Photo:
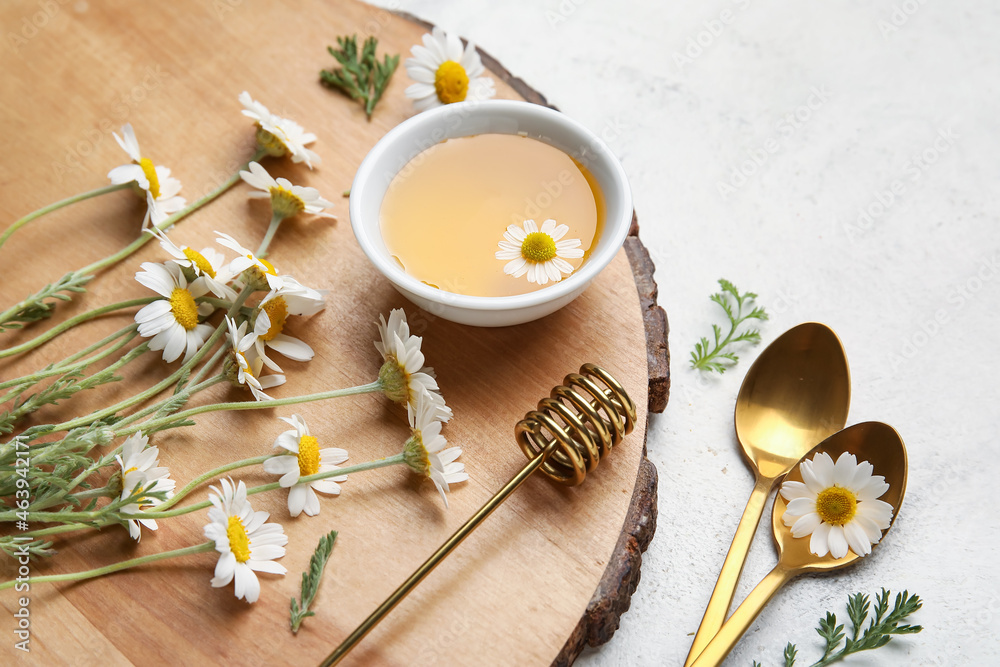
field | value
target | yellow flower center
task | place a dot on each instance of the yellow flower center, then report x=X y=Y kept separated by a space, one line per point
x=285 y=203
x=538 y=247
x=149 y=170
x=270 y=267
x=836 y=505
x=199 y=261
x=132 y=469
x=184 y=309
x=451 y=82
x=277 y=313
x=239 y=543
x=308 y=455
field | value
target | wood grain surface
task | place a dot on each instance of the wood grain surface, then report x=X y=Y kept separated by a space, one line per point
x=516 y=590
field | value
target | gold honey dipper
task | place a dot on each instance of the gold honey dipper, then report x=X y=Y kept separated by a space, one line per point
x=566 y=437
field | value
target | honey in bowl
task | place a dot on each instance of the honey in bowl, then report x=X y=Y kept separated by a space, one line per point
x=445 y=213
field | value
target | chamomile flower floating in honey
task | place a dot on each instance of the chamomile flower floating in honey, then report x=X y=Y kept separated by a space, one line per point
x=246 y=542
x=286 y=199
x=403 y=374
x=279 y=136
x=444 y=73
x=836 y=503
x=162 y=189
x=139 y=471
x=244 y=366
x=306 y=459
x=173 y=321
x=264 y=278
x=538 y=253
x=424 y=451
x=209 y=264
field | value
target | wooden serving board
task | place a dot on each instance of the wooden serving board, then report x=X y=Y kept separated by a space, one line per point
x=521 y=589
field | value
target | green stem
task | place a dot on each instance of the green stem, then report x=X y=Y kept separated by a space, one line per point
x=80 y=276
x=254 y=405
x=211 y=474
x=101 y=515
x=27 y=381
x=166 y=224
x=72 y=322
x=271 y=229
x=121 y=405
x=186 y=394
x=193 y=386
x=53 y=530
x=209 y=365
x=117 y=567
x=169 y=380
x=350 y=470
x=132 y=329
x=58 y=205
x=102 y=492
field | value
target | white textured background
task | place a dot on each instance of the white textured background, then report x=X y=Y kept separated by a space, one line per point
x=902 y=93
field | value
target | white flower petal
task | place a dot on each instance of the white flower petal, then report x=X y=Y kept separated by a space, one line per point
x=819 y=542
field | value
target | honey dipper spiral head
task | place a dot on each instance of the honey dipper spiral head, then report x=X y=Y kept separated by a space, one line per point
x=584 y=417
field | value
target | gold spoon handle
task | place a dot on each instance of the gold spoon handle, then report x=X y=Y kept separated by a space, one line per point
x=439 y=555
x=725 y=586
x=743 y=617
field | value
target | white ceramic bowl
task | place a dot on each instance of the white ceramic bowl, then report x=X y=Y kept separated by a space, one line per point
x=404 y=142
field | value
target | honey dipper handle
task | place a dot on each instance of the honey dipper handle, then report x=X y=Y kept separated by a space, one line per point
x=744 y=616
x=439 y=555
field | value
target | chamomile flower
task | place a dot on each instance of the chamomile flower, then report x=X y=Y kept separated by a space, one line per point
x=265 y=276
x=836 y=503
x=248 y=543
x=279 y=136
x=425 y=451
x=538 y=253
x=403 y=374
x=272 y=315
x=245 y=365
x=444 y=73
x=208 y=264
x=139 y=471
x=299 y=299
x=306 y=459
x=157 y=185
x=286 y=199
x=173 y=321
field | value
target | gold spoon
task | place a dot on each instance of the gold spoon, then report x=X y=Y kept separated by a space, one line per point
x=875 y=442
x=797 y=393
